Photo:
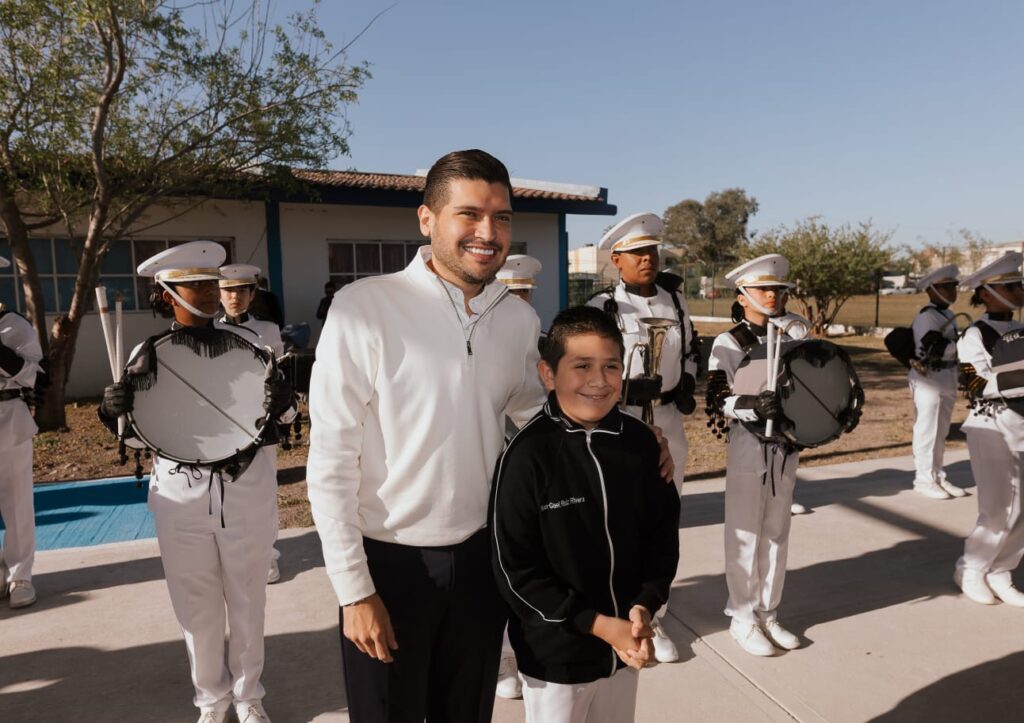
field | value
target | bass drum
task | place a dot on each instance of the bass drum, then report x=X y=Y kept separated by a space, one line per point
x=199 y=395
x=297 y=367
x=817 y=385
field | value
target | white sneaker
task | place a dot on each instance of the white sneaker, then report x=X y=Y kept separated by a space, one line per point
x=972 y=582
x=751 y=638
x=251 y=713
x=665 y=651
x=214 y=716
x=274 y=573
x=951 y=489
x=780 y=637
x=1004 y=589
x=797 y=509
x=509 y=686
x=931 y=490
x=22 y=594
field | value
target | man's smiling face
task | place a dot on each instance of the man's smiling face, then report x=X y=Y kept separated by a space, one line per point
x=471 y=235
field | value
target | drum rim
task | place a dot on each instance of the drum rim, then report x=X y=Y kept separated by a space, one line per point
x=155 y=449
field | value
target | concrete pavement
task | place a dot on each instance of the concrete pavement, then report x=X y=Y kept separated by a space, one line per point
x=887 y=635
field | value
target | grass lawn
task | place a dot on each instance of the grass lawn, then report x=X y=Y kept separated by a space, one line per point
x=895 y=310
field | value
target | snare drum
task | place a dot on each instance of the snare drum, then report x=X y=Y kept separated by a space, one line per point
x=297 y=367
x=817 y=386
x=199 y=395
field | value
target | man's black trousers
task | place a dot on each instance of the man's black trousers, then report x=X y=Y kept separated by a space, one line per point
x=448 y=620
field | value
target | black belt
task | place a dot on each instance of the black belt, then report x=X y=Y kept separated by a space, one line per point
x=8 y=394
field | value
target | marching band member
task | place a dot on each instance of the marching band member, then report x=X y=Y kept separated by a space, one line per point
x=643 y=292
x=759 y=476
x=215 y=547
x=932 y=379
x=237 y=291
x=20 y=355
x=995 y=439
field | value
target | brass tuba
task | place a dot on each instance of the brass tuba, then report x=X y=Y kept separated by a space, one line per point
x=650 y=351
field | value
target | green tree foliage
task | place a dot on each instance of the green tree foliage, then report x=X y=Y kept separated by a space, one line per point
x=714 y=231
x=108 y=107
x=828 y=264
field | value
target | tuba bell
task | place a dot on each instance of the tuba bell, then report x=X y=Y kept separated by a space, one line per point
x=656 y=328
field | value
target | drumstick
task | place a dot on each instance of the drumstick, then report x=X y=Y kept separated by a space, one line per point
x=101 y=307
x=119 y=350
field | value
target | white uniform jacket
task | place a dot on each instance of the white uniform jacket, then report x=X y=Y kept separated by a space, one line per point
x=16 y=423
x=407 y=404
x=989 y=412
x=938 y=372
x=629 y=308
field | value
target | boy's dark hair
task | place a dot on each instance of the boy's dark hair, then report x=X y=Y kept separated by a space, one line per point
x=472 y=164
x=575 y=321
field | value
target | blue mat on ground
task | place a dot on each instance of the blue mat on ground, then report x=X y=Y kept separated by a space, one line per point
x=79 y=514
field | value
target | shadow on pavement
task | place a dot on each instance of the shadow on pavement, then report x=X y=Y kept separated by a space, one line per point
x=302 y=677
x=298 y=554
x=956 y=697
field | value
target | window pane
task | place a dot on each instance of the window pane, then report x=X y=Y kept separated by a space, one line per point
x=66 y=287
x=118 y=283
x=340 y=258
x=49 y=295
x=227 y=252
x=368 y=258
x=43 y=256
x=393 y=257
x=410 y=252
x=7 y=297
x=340 y=281
x=5 y=251
x=118 y=259
x=67 y=253
x=145 y=249
x=517 y=248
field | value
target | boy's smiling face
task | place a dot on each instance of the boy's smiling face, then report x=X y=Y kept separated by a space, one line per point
x=588 y=378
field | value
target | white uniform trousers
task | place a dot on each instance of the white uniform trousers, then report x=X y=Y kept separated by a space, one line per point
x=756 y=525
x=996 y=544
x=606 y=700
x=670 y=420
x=215 y=575
x=17 y=510
x=934 y=398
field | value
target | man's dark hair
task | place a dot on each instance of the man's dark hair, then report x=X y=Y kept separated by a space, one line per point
x=473 y=164
x=575 y=321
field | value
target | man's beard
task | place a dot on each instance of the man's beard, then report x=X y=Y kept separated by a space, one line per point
x=453 y=263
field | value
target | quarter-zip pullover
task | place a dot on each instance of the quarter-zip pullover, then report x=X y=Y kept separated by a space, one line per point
x=582 y=524
x=405 y=423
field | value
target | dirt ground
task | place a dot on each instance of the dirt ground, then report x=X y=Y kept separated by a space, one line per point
x=88 y=451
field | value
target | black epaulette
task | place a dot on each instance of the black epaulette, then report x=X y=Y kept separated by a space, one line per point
x=989 y=336
x=610 y=306
x=744 y=336
x=668 y=281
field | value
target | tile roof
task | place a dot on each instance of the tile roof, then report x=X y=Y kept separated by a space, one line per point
x=397 y=182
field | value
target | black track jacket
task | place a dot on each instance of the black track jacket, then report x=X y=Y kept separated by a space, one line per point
x=582 y=523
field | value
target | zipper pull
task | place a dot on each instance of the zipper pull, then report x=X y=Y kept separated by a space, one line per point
x=469 y=348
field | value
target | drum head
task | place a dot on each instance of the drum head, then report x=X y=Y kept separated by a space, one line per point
x=201 y=408
x=816 y=390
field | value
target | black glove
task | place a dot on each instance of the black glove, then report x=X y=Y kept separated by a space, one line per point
x=851 y=418
x=768 y=405
x=685 y=402
x=118 y=399
x=279 y=397
x=642 y=389
x=934 y=344
x=10 y=362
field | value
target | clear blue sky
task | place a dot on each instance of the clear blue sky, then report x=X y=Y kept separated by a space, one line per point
x=909 y=114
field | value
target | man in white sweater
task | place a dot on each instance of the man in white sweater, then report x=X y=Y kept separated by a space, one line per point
x=415 y=373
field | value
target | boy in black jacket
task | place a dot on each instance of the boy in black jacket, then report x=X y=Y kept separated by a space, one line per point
x=585 y=532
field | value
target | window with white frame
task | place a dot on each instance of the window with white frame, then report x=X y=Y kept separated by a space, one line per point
x=351 y=260
x=57 y=264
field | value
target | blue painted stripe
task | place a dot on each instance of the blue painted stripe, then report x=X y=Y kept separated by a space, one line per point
x=275 y=264
x=80 y=514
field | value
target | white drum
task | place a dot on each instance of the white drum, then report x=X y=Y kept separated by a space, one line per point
x=201 y=401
